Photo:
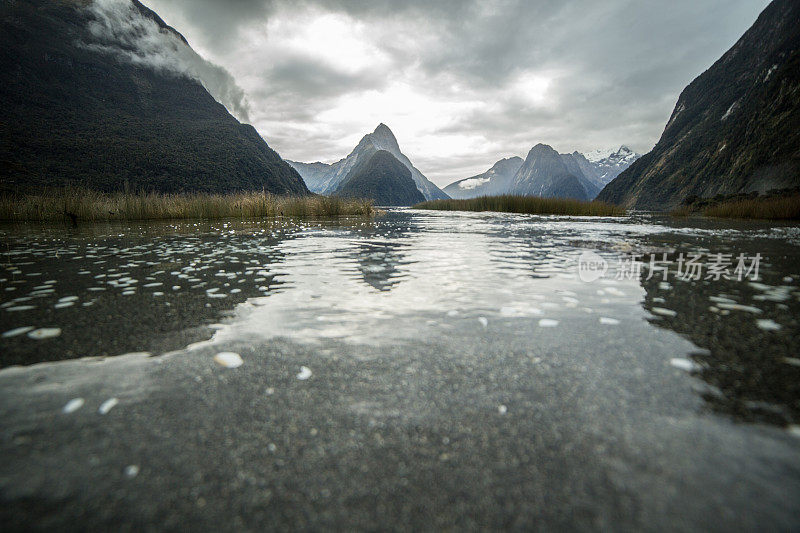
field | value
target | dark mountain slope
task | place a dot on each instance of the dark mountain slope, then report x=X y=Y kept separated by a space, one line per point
x=326 y=179
x=383 y=179
x=735 y=128
x=573 y=164
x=79 y=109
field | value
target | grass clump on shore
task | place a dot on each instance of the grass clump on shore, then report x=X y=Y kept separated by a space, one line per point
x=530 y=205
x=775 y=208
x=77 y=205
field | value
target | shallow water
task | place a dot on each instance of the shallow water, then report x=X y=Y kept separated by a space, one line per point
x=416 y=315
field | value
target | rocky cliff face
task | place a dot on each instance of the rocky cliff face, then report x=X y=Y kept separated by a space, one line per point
x=735 y=128
x=105 y=95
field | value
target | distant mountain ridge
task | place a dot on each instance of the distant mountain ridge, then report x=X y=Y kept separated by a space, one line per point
x=545 y=172
x=325 y=178
x=497 y=180
x=734 y=129
x=83 y=105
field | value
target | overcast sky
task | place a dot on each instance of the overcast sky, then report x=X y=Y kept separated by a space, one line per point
x=462 y=84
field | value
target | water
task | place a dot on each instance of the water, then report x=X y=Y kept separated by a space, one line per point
x=412 y=325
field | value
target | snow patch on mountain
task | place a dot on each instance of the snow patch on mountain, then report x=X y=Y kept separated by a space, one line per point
x=471 y=183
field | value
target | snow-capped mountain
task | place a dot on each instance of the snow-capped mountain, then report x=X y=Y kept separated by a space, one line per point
x=602 y=166
x=546 y=174
x=326 y=179
x=496 y=180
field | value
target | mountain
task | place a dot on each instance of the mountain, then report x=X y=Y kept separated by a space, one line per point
x=326 y=179
x=383 y=179
x=497 y=180
x=593 y=171
x=602 y=166
x=573 y=164
x=105 y=95
x=735 y=128
x=545 y=174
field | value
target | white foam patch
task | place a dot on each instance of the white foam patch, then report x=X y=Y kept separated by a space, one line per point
x=548 y=323
x=739 y=307
x=768 y=325
x=663 y=311
x=107 y=406
x=484 y=321
x=73 y=405
x=519 y=310
x=17 y=331
x=304 y=373
x=683 y=364
x=608 y=321
x=44 y=333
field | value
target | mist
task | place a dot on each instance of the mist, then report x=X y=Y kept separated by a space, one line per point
x=120 y=29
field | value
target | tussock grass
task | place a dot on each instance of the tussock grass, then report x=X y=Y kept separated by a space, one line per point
x=774 y=208
x=530 y=205
x=682 y=211
x=91 y=206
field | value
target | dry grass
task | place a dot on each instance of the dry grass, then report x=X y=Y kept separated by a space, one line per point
x=531 y=205
x=91 y=206
x=682 y=211
x=775 y=208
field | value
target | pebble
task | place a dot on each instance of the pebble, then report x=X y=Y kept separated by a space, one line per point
x=228 y=359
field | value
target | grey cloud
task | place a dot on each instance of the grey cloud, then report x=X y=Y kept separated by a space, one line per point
x=617 y=67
